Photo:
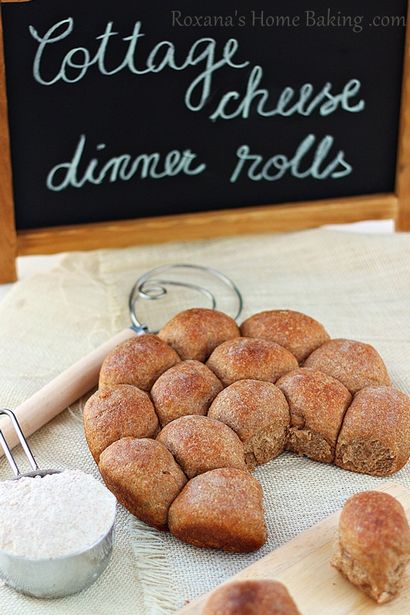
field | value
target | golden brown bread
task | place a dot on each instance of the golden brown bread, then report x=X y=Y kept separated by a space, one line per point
x=258 y=412
x=246 y=358
x=186 y=388
x=221 y=509
x=317 y=404
x=355 y=364
x=199 y=444
x=115 y=412
x=297 y=332
x=144 y=477
x=373 y=544
x=375 y=436
x=138 y=361
x=196 y=332
x=251 y=597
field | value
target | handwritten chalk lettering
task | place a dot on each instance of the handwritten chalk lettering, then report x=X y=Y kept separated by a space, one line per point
x=256 y=168
x=76 y=63
x=204 y=53
x=121 y=168
x=234 y=105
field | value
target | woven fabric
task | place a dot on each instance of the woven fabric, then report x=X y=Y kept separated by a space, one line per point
x=358 y=286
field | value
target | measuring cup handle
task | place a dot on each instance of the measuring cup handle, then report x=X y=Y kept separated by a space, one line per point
x=61 y=392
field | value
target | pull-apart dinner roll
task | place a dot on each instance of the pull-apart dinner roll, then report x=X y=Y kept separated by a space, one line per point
x=375 y=436
x=258 y=412
x=221 y=509
x=115 y=412
x=196 y=332
x=199 y=444
x=373 y=545
x=144 y=477
x=246 y=358
x=317 y=404
x=250 y=597
x=355 y=364
x=295 y=331
x=186 y=388
x=138 y=361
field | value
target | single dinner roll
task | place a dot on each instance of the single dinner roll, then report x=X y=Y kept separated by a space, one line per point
x=199 y=444
x=373 y=545
x=295 y=331
x=317 y=404
x=258 y=412
x=115 y=412
x=195 y=333
x=246 y=358
x=251 y=598
x=355 y=364
x=186 y=388
x=221 y=509
x=138 y=361
x=144 y=477
x=375 y=436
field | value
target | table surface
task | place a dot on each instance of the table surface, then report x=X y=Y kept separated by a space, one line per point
x=30 y=265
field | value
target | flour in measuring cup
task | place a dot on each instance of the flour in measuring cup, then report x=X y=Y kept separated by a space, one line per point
x=54 y=516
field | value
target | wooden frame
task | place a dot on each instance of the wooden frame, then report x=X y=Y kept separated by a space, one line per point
x=283 y=217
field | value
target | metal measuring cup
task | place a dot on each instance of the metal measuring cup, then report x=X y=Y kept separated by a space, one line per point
x=50 y=577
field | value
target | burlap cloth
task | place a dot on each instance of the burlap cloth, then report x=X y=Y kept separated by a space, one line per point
x=357 y=285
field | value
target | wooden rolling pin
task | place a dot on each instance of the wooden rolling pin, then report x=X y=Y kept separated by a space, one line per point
x=61 y=392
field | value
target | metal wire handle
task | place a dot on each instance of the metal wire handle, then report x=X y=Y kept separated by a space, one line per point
x=150 y=288
x=23 y=442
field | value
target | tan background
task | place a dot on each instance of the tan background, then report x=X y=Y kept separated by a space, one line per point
x=357 y=285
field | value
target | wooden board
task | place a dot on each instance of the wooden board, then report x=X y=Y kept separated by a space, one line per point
x=317 y=588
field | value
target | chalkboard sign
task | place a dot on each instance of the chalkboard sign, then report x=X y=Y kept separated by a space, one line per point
x=135 y=111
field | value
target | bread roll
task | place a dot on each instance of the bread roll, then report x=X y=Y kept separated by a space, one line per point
x=317 y=404
x=373 y=544
x=195 y=333
x=258 y=412
x=375 y=436
x=246 y=358
x=297 y=332
x=251 y=598
x=355 y=364
x=115 y=412
x=221 y=509
x=138 y=361
x=144 y=477
x=187 y=388
x=199 y=444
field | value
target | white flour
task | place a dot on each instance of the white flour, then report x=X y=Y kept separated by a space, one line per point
x=55 y=515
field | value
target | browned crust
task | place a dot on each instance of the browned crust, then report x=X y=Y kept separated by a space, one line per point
x=373 y=545
x=188 y=387
x=221 y=509
x=115 y=412
x=246 y=358
x=199 y=444
x=317 y=404
x=375 y=436
x=355 y=364
x=297 y=332
x=251 y=597
x=258 y=412
x=138 y=361
x=144 y=477
x=196 y=332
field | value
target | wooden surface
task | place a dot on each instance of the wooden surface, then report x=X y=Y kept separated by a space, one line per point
x=7 y=225
x=317 y=588
x=403 y=162
x=265 y=219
